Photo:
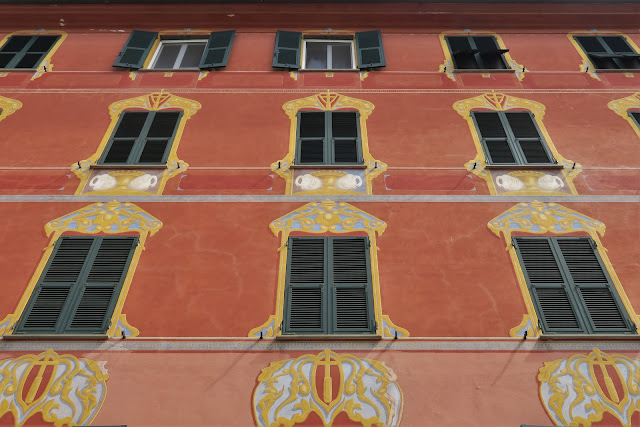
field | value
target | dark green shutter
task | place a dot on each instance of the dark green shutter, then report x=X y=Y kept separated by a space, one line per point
x=216 y=53
x=345 y=137
x=494 y=138
x=79 y=286
x=136 y=49
x=286 y=53
x=491 y=57
x=527 y=138
x=312 y=136
x=609 y=52
x=329 y=137
x=369 y=49
x=476 y=52
x=462 y=53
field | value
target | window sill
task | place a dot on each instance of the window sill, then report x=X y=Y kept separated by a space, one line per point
x=589 y=337
x=172 y=70
x=342 y=337
x=125 y=166
x=328 y=166
x=482 y=70
x=30 y=70
x=56 y=337
x=520 y=167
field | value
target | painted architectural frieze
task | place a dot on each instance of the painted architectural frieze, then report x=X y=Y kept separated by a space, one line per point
x=581 y=389
x=8 y=106
x=96 y=179
x=623 y=106
x=516 y=180
x=327 y=384
x=332 y=179
x=63 y=389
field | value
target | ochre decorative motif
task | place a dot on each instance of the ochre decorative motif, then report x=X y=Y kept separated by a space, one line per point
x=448 y=67
x=579 y=390
x=65 y=390
x=549 y=218
x=123 y=184
x=586 y=66
x=104 y=218
x=529 y=183
x=622 y=107
x=45 y=64
x=329 y=101
x=320 y=218
x=288 y=391
x=8 y=106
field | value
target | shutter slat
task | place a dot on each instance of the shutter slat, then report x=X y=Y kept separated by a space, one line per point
x=136 y=49
x=582 y=262
x=352 y=310
x=305 y=308
x=350 y=261
x=68 y=260
x=286 y=53
x=369 y=49
x=603 y=309
x=93 y=308
x=557 y=310
x=47 y=307
x=216 y=53
x=306 y=261
x=110 y=263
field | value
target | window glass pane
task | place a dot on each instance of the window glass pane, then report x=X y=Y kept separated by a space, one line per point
x=15 y=44
x=311 y=151
x=131 y=124
x=192 y=55
x=168 y=55
x=42 y=44
x=5 y=58
x=316 y=55
x=119 y=151
x=30 y=60
x=341 y=56
x=618 y=44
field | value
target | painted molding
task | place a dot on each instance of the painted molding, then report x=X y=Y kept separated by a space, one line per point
x=99 y=218
x=586 y=66
x=156 y=101
x=45 y=64
x=622 y=106
x=70 y=393
x=549 y=218
x=320 y=218
x=8 y=106
x=502 y=102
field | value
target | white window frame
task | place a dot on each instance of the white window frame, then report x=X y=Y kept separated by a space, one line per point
x=329 y=59
x=180 y=56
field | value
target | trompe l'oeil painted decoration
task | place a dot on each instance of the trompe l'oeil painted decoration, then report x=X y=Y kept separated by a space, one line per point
x=579 y=390
x=327 y=384
x=65 y=390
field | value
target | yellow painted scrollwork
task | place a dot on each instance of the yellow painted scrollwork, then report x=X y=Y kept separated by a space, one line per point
x=622 y=107
x=8 y=106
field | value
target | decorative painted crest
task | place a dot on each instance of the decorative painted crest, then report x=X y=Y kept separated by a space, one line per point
x=8 y=106
x=288 y=391
x=328 y=101
x=497 y=102
x=328 y=216
x=623 y=105
x=581 y=389
x=156 y=101
x=65 y=390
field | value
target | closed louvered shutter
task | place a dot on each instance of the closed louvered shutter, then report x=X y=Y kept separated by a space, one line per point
x=136 y=49
x=331 y=137
x=369 y=49
x=494 y=137
x=79 y=286
x=351 y=276
x=127 y=132
x=345 y=136
x=306 y=285
x=216 y=53
x=157 y=142
x=312 y=134
x=286 y=53
x=528 y=138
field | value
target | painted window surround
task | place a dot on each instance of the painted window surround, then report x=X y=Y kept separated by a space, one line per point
x=328 y=218
x=157 y=101
x=103 y=219
x=448 y=68
x=551 y=219
x=8 y=106
x=624 y=106
x=586 y=66
x=45 y=64
x=501 y=102
x=328 y=101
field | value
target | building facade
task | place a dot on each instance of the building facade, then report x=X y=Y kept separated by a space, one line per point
x=320 y=214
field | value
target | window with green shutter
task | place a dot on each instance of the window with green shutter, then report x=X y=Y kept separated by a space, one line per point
x=570 y=286
x=476 y=53
x=26 y=51
x=635 y=115
x=511 y=138
x=609 y=52
x=141 y=138
x=328 y=138
x=328 y=286
x=79 y=287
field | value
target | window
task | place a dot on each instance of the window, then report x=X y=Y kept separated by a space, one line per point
x=609 y=52
x=570 y=286
x=511 y=138
x=25 y=51
x=145 y=49
x=141 y=138
x=328 y=286
x=328 y=138
x=328 y=52
x=79 y=286
x=635 y=115
x=476 y=53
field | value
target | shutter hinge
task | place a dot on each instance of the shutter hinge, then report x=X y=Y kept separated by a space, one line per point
x=540 y=324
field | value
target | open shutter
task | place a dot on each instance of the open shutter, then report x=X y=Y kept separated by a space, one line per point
x=136 y=49
x=490 y=53
x=462 y=53
x=528 y=138
x=351 y=285
x=305 y=310
x=627 y=57
x=286 y=53
x=550 y=291
x=50 y=300
x=599 y=54
x=370 y=50
x=216 y=54
x=494 y=138
x=100 y=290
x=602 y=304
